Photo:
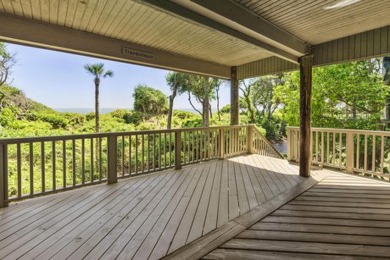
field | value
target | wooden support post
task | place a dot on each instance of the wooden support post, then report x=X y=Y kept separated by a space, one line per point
x=178 y=150
x=305 y=65
x=221 y=144
x=3 y=176
x=112 y=160
x=249 y=139
x=234 y=99
x=350 y=152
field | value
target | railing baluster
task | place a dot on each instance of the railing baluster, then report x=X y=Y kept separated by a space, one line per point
x=159 y=152
x=54 y=165
x=19 y=169
x=148 y=154
x=178 y=150
x=154 y=152
x=165 y=149
x=100 y=160
x=43 y=182
x=143 y=152
x=373 y=168
x=340 y=149
x=123 y=155
x=74 y=162
x=64 y=164
x=188 y=146
x=382 y=161
x=92 y=169
x=136 y=154
x=358 y=152
x=170 y=149
x=31 y=160
x=130 y=145
x=82 y=161
x=365 y=152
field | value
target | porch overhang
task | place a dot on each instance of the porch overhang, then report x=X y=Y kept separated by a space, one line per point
x=205 y=37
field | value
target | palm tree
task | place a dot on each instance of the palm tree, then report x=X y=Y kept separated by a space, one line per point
x=97 y=70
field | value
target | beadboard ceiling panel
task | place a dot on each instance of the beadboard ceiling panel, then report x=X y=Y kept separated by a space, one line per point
x=318 y=21
x=140 y=23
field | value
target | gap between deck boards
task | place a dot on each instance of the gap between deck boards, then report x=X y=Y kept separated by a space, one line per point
x=205 y=244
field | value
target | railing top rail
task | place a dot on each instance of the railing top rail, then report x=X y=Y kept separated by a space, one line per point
x=4 y=141
x=268 y=142
x=338 y=130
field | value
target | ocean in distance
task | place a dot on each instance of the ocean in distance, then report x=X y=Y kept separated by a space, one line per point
x=104 y=110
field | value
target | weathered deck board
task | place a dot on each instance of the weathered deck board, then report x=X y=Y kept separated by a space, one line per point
x=339 y=217
x=142 y=217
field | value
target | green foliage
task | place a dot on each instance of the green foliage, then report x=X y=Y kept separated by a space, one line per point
x=226 y=109
x=149 y=101
x=350 y=95
x=129 y=116
x=54 y=119
x=7 y=117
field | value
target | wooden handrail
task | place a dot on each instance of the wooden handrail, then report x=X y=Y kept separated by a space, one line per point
x=271 y=150
x=356 y=151
x=41 y=165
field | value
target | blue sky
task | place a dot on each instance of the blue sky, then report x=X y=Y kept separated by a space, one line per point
x=59 y=80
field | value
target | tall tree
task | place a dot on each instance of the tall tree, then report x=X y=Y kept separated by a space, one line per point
x=203 y=89
x=98 y=72
x=259 y=98
x=177 y=83
x=246 y=101
x=7 y=60
x=149 y=101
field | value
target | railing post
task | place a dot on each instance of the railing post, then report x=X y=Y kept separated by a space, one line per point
x=3 y=176
x=178 y=150
x=221 y=144
x=289 y=144
x=249 y=139
x=350 y=152
x=112 y=159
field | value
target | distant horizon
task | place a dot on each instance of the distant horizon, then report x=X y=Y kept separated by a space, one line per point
x=104 y=110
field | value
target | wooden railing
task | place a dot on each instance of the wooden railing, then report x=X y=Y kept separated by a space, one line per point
x=358 y=151
x=262 y=146
x=36 y=166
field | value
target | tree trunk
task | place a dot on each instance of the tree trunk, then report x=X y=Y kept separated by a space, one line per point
x=171 y=99
x=205 y=105
x=97 y=126
x=170 y=111
x=218 y=110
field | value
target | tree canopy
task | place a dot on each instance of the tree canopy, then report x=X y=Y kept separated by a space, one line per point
x=149 y=101
x=350 y=95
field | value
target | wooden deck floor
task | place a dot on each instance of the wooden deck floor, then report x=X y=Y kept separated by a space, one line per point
x=145 y=217
x=343 y=216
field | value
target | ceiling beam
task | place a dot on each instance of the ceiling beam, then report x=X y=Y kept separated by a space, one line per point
x=34 y=33
x=243 y=19
x=200 y=19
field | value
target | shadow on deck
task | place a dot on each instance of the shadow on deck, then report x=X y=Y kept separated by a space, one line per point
x=343 y=216
x=143 y=217
x=232 y=208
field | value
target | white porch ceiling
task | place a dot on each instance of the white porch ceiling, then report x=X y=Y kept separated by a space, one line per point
x=200 y=36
